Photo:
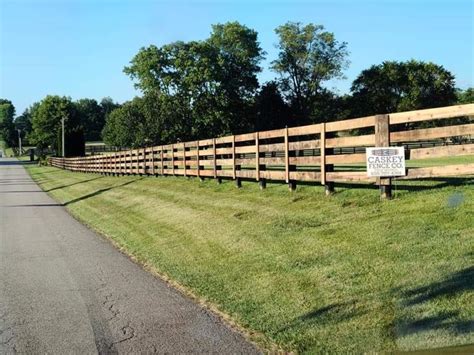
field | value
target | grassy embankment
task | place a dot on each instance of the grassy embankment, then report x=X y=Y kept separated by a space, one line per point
x=310 y=273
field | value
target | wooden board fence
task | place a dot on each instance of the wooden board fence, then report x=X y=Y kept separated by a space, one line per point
x=305 y=153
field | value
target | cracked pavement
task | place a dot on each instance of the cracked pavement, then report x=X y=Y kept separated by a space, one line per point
x=65 y=289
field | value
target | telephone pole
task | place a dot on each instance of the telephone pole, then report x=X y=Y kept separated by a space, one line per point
x=19 y=140
x=63 y=144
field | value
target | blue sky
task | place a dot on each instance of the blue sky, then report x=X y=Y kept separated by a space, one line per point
x=78 y=48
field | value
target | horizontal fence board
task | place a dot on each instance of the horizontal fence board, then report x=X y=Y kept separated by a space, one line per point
x=277 y=133
x=315 y=160
x=349 y=176
x=305 y=175
x=432 y=114
x=350 y=124
x=346 y=158
x=304 y=130
x=272 y=175
x=354 y=141
x=438 y=171
x=438 y=152
x=432 y=133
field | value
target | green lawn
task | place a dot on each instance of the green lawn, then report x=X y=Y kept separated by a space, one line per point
x=306 y=272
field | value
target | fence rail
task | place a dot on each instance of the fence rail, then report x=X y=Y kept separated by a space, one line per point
x=305 y=153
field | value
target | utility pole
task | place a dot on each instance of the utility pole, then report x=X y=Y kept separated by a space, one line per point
x=19 y=140
x=63 y=144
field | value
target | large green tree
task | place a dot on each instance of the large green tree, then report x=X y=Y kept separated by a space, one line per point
x=402 y=86
x=46 y=123
x=205 y=88
x=7 y=127
x=308 y=57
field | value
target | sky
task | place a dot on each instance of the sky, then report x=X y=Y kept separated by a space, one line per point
x=78 y=48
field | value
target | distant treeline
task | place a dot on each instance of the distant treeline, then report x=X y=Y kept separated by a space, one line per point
x=209 y=88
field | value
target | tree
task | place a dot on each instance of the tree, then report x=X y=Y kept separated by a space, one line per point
x=402 y=86
x=23 y=123
x=205 y=88
x=46 y=123
x=308 y=56
x=7 y=127
x=466 y=96
x=271 y=110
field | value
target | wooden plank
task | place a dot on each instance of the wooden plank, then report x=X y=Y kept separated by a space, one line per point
x=432 y=133
x=206 y=152
x=312 y=160
x=245 y=149
x=276 y=147
x=244 y=137
x=346 y=158
x=276 y=133
x=311 y=144
x=287 y=156
x=444 y=151
x=439 y=171
x=348 y=176
x=356 y=141
x=305 y=175
x=432 y=114
x=206 y=142
x=225 y=161
x=273 y=175
x=221 y=151
x=304 y=130
x=350 y=124
x=247 y=174
x=227 y=139
x=273 y=161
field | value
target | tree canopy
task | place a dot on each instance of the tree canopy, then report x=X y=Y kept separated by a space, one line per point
x=7 y=127
x=308 y=56
x=402 y=86
x=46 y=124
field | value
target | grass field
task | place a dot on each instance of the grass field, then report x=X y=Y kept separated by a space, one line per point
x=306 y=272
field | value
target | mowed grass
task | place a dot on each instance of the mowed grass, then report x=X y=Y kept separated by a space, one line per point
x=307 y=272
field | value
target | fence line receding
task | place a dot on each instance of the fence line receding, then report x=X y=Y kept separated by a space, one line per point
x=326 y=152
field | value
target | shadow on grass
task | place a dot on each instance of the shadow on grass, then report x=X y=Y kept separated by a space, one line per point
x=99 y=192
x=331 y=314
x=458 y=282
x=451 y=321
x=76 y=183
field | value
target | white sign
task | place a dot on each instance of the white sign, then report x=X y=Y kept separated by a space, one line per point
x=385 y=161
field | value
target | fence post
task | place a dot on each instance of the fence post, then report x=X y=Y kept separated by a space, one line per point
x=161 y=158
x=184 y=158
x=262 y=182
x=153 y=160
x=328 y=185
x=382 y=139
x=291 y=183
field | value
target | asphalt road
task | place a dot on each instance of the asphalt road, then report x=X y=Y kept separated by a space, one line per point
x=64 y=289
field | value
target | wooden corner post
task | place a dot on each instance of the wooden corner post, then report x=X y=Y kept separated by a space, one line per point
x=382 y=139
